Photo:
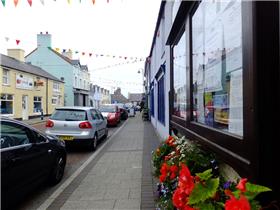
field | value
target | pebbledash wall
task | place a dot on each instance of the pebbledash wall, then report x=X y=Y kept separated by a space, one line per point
x=218 y=63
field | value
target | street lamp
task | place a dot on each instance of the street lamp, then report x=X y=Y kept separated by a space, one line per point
x=141 y=71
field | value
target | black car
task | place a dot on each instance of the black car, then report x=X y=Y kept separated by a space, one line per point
x=28 y=158
x=124 y=113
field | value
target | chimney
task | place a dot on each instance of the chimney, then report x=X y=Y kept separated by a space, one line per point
x=68 y=54
x=17 y=54
x=44 y=40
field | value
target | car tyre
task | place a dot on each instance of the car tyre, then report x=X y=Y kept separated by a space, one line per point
x=58 y=170
x=93 y=143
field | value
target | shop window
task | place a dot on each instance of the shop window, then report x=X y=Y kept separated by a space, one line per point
x=179 y=77
x=7 y=102
x=6 y=77
x=217 y=66
x=37 y=107
x=56 y=87
x=161 y=105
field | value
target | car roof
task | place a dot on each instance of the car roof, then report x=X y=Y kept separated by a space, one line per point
x=75 y=107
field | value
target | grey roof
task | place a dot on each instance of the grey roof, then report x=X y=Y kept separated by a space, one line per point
x=84 y=67
x=135 y=96
x=13 y=63
x=74 y=62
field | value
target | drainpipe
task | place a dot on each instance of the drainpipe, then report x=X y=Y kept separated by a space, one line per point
x=47 y=98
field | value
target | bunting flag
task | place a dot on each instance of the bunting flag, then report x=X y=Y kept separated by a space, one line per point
x=7 y=39
x=90 y=54
x=57 y=49
x=15 y=2
x=17 y=41
x=29 y=2
x=83 y=53
x=69 y=1
x=3 y=2
x=42 y=2
x=93 y=1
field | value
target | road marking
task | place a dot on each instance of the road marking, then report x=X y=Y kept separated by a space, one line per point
x=68 y=181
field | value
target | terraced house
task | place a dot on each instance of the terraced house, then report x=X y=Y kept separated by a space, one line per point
x=64 y=67
x=27 y=90
x=212 y=75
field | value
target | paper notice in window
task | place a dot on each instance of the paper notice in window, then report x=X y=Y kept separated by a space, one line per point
x=236 y=103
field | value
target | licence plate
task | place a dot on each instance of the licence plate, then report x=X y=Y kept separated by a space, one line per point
x=66 y=138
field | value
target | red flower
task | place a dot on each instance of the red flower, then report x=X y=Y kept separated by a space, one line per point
x=162 y=177
x=180 y=200
x=170 y=141
x=164 y=170
x=242 y=185
x=235 y=204
x=186 y=181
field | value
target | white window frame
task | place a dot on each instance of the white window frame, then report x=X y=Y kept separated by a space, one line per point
x=6 y=76
x=55 y=97
x=56 y=87
x=12 y=100
x=37 y=101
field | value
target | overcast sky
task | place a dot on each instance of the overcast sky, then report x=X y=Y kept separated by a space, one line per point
x=120 y=28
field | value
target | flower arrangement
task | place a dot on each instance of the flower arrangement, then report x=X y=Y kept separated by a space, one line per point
x=189 y=179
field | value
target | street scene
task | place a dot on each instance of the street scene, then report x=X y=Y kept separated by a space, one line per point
x=120 y=104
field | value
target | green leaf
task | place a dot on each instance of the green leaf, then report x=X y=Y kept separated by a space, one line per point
x=205 y=175
x=202 y=192
x=205 y=206
x=252 y=190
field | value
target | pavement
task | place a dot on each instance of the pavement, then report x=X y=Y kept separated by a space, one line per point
x=117 y=177
x=36 y=120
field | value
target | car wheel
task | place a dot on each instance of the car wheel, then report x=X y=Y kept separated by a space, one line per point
x=58 y=170
x=93 y=143
x=106 y=133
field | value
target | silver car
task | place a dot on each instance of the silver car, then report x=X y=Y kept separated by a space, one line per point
x=78 y=124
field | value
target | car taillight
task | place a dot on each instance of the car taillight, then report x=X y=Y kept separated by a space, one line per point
x=49 y=124
x=85 y=125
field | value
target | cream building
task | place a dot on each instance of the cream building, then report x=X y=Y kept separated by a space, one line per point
x=26 y=90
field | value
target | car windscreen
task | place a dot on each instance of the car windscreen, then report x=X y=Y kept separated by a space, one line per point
x=107 y=109
x=69 y=115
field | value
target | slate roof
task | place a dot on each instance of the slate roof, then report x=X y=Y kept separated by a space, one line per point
x=13 y=63
x=119 y=97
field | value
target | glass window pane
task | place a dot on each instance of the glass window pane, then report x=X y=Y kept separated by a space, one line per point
x=217 y=65
x=179 y=77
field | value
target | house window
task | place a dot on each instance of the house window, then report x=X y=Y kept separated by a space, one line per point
x=37 y=104
x=56 y=87
x=55 y=100
x=217 y=66
x=161 y=105
x=7 y=101
x=179 y=77
x=152 y=102
x=6 y=77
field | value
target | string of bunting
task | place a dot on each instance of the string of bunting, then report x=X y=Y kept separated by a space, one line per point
x=43 y=2
x=89 y=54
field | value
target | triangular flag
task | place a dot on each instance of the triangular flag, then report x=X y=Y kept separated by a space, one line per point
x=3 y=2
x=42 y=2
x=76 y=52
x=15 y=2
x=30 y=2
x=83 y=53
x=7 y=39
x=90 y=54
x=57 y=49
x=107 y=1
x=17 y=41
x=69 y=1
x=93 y=1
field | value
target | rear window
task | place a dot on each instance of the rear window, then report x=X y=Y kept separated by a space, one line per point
x=107 y=109
x=69 y=115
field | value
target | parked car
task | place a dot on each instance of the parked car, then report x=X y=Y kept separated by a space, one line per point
x=124 y=114
x=84 y=125
x=112 y=113
x=28 y=158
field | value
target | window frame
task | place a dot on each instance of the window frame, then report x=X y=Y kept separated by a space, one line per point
x=9 y=100
x=37 y=101
x=6 y=76
x=232 y=148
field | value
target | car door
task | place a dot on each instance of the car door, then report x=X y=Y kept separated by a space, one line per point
x=96 y=122
x=103 y=125
x=19 y=161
